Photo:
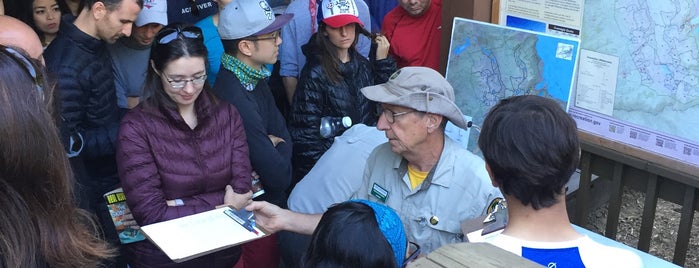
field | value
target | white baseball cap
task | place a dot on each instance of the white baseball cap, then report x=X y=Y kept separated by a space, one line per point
x=154 y=11
x=338 y=13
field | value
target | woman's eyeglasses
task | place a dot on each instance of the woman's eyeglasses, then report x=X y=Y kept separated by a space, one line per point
x=168 y=35
x=180 y=83
x=28 y=66
x=414 y=248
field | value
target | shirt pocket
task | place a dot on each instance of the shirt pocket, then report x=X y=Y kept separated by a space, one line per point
x=445 y=231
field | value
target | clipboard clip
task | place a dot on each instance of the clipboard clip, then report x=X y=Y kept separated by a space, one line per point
x=243 y=217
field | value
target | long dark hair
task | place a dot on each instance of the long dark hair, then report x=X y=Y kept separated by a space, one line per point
x=39 y=222
x=162 y=54
x=327 y=53
x=348 y=236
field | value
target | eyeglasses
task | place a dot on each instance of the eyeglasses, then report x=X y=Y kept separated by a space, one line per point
x=274 y=35
x=169 y=34
x=390 y=115
x=415 y=249
x=28 y=66
x=179 y=84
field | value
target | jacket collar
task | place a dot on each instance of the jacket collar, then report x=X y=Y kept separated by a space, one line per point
x=67 y=28
x=204 y=106
x=439 y=174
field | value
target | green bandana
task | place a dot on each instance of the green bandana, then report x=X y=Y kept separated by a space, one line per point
x=246 y=74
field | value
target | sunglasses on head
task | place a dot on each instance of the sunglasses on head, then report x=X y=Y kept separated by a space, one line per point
x=28 y=66
x=168 y=35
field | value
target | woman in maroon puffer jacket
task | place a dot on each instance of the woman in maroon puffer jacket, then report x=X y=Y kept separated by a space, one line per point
x=181 y=151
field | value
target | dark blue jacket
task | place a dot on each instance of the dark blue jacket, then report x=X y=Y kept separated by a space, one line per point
x=85 y=83
x=261 y=117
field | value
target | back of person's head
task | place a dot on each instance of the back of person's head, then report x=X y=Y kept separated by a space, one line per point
x=172 y=42
x=35 y=178
x=111 y=5
x=14 y=32
x=531 y=147
x=349 y=235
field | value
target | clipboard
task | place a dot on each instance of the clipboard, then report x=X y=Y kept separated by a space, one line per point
x=193 y=236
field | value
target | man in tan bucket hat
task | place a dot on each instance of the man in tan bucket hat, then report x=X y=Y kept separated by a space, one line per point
x=432 y=182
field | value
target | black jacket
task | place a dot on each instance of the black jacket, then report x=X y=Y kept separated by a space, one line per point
x=261 y=118
x=316 y=96
x=85 y=83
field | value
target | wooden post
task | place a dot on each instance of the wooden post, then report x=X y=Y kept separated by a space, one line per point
x=470 y=9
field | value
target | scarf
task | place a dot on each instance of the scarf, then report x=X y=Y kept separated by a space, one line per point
x=246 y=74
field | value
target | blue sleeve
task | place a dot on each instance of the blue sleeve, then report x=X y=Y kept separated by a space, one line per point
x=364 y=43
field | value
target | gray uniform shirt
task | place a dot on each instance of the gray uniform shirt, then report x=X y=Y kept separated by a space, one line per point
x=457 y=189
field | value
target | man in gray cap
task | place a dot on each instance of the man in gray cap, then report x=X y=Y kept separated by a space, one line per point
x=250 y=33
x=431 y=181
x=130 y=54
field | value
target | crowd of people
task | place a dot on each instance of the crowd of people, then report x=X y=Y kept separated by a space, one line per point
x=185 y=103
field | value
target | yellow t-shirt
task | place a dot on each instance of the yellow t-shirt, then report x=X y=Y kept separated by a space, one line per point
x=416 y=177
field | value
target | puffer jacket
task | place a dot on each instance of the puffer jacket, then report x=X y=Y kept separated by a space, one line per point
x=161 y=158
x=85 y=84
x=316 y=96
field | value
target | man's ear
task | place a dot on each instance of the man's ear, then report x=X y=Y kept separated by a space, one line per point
x=433 y=121
x=245 y=47
x=492 y=178
x=99 y=10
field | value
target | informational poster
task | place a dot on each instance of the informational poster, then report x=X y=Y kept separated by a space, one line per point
x=562 y=17
x=489 y=62
x=638 y=80
x=597 y=74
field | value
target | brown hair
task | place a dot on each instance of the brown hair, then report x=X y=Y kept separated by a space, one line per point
x=329 y=59
x=36 y=183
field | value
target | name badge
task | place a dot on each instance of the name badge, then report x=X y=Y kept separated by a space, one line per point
x=379 y=192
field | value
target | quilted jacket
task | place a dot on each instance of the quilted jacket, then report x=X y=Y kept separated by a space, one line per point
x=316 y=96
x=161 y=158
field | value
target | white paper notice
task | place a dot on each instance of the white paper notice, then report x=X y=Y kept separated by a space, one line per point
x=549 y=16
x=597 y=75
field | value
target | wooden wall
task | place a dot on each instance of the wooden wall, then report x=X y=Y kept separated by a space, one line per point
x=470 y=9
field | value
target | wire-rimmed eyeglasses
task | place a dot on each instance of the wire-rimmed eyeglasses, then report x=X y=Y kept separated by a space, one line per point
x=272 y=36
x=180 y=83
x=390 y=115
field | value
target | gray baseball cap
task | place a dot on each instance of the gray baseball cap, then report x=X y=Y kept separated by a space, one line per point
x=243 y=18
x=419 y=88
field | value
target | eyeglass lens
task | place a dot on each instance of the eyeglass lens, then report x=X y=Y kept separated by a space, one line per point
x=178 y=84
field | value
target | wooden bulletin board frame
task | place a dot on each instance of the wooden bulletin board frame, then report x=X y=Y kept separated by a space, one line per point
x=488 y=11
